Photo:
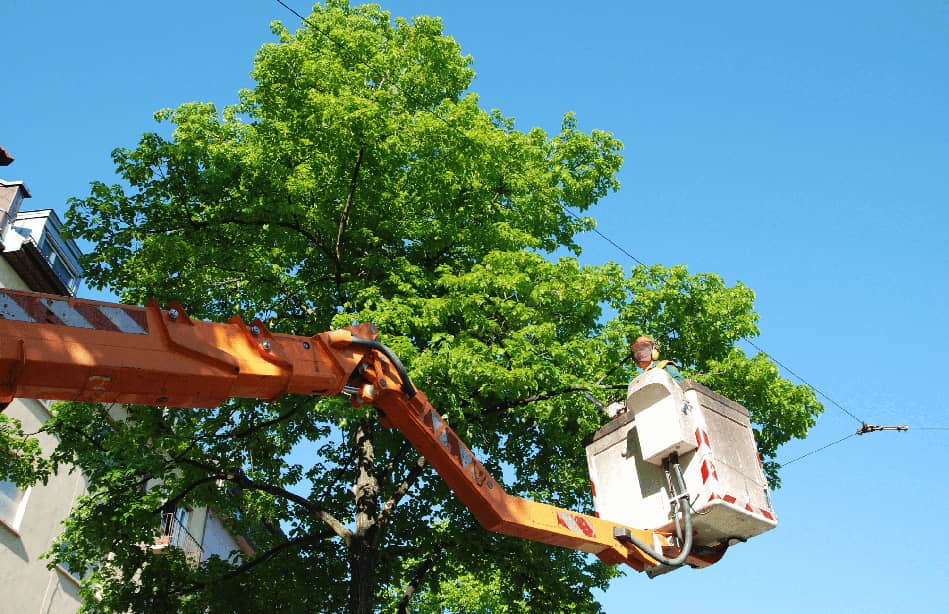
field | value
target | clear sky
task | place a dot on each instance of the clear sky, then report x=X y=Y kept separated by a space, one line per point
x=801 y=148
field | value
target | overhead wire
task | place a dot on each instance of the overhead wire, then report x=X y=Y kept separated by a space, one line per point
x=625 y=252
x=606 y=238
x=820 y=449
x=811 y=386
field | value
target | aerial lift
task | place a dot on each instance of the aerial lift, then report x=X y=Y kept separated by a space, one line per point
x=59 y=348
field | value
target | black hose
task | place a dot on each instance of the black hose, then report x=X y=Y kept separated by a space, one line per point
x=687 y=539
x=407 y=387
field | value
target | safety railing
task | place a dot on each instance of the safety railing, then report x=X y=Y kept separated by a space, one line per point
x=176 y=535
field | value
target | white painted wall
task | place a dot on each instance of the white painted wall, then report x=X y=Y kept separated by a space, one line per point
x=217 y=541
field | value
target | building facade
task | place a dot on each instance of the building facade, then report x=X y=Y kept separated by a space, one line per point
x=35 y=256
x=30 y=518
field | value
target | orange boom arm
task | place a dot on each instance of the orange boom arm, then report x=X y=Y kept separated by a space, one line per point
x=59 y=348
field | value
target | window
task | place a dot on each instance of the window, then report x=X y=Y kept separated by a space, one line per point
x=12 y=504
x=54 y=255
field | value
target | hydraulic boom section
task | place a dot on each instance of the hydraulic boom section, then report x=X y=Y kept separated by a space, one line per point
x=59 y=348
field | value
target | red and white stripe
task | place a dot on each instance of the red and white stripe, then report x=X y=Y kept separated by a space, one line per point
x=78 y=314
x=576 y=523
x=704 y=451
x=709 y=472
x=733 y=500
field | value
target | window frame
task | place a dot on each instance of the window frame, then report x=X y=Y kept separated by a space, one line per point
x=18 y=504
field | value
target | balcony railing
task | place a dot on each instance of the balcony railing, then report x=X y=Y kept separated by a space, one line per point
x=175 y=535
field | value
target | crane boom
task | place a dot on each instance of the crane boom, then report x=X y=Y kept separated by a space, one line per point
x=58 y=348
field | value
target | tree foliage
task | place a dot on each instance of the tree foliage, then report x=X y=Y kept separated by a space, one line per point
x=361 y=180
x=21 y=458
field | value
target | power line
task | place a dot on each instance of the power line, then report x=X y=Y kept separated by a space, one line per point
x=868 y=428
x=286 y=6
x=325 y=35
x=631 y=256
x=606 y=238
x=747 y=339
x=833 y=443
x=809 y=385
x=596 y=231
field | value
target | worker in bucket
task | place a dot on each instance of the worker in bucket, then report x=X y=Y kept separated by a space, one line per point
x=646 y=356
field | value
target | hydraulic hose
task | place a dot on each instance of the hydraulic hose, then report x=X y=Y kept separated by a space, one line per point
x=687 y=522
x=407 y=387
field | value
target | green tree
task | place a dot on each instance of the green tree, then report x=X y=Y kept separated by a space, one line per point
x=360 y=180
x=21 y=459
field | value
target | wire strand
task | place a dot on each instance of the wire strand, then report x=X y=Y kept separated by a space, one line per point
x=596 y=231
x=822 y=448
x=306 y=20
x=804 y=381
x=606 y=238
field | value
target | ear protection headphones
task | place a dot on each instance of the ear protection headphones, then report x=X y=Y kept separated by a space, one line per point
x=638 y=346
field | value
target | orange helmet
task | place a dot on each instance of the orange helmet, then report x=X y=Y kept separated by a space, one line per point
x=644 y=349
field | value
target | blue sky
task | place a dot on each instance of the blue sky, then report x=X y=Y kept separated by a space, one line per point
x=800 y=148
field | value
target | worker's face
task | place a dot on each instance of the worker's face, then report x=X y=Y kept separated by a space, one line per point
x=643 y=354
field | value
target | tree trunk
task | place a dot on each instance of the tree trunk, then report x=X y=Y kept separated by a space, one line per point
x=362 y=549
x=362 y=576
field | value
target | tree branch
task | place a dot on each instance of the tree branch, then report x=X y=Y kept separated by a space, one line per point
x=542 y=396
x=262 y=558
x=248 y=430
x=397 y=457
x=240 y=478
x=417 y=579
x=173 y=501
x=294 y=225
x=350 y=196
x=389 y=506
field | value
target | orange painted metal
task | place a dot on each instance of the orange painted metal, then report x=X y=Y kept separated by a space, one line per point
x=59 y=348
x=495 y=509
x=173 y=360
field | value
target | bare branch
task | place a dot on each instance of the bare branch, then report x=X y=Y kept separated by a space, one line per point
x=263 y=557
x=389 y=506
x=417 y=579
x=350 y=196
x=240 y=478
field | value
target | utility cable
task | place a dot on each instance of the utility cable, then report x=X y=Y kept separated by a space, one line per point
x=605 y=238
x=805 y=382
x=597 y=232
x=833 y=443
x=747 y=339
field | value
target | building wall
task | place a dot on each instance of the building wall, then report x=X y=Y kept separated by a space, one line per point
x=27 y=585
x=35 y=522
x=9 y=278
x=217 y=541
